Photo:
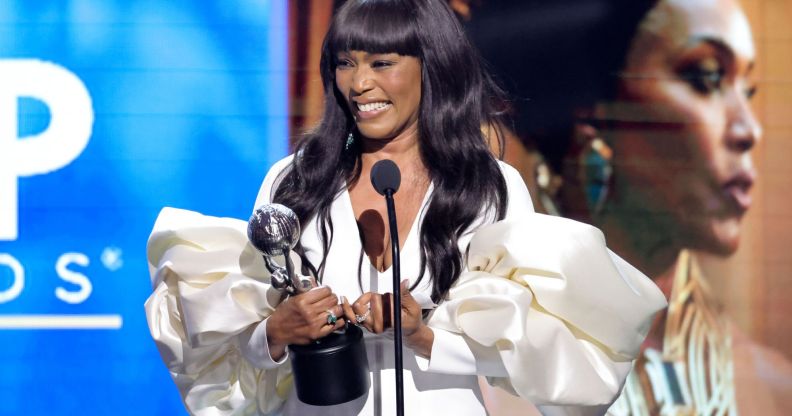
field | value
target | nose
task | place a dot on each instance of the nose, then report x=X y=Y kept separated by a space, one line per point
x=361 y=80
x=744 y=130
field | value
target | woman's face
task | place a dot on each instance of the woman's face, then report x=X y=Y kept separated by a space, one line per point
x=383 y=92
x=682 y=126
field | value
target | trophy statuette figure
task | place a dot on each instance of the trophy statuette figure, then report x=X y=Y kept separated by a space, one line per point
x=331 y=370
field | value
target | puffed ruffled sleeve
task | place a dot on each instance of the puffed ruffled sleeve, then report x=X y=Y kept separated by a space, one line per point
x=566 y=315
x=211 y=290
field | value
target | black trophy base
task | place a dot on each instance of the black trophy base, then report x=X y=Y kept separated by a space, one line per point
x=332 y=370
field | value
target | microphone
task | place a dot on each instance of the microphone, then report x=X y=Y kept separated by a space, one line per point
x=274 y=230
x=385 y=175
x=331 y=370
x=386 y=178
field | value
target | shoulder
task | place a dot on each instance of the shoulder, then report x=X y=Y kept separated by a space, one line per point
x=511 y=176
x=507 y=170
x=519 y=197
x=271 y=180
x=278 y=167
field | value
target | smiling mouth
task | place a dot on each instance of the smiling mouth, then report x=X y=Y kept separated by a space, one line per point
x=370 y=108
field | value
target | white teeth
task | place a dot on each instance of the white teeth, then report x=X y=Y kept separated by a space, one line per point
x=372 y=106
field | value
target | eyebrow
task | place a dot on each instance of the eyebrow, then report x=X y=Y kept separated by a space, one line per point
x=721 y=47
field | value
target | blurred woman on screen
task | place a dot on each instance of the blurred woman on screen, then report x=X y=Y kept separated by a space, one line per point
x=635 y=116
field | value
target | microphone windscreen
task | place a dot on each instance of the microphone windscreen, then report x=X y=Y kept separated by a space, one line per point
x=385 y=175
x=273 y=228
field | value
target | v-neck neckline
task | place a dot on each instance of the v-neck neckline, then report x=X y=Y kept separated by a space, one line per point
x=350 y=213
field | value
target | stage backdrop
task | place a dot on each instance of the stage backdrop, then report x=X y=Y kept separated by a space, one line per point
x=543 y=42
x=110 y=110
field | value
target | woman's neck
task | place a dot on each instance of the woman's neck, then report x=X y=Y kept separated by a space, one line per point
x=402 y=149
x=650 y=253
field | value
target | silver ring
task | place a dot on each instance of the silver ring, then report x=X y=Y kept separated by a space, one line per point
x=362 y=318
x=331 y=317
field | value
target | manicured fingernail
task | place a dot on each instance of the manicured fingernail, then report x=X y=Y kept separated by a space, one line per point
x=343 y=299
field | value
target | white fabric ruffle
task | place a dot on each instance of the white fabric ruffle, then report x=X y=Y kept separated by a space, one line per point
x=566 y=315
x=210 y=285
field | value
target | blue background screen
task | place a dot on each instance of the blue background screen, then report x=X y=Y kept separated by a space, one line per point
x=189 y=109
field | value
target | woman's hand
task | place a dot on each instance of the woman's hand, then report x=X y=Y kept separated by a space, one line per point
x=374 y=312
x=302 y=319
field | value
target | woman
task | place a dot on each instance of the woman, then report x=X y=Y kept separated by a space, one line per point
x=401 y=82
x=639 y=123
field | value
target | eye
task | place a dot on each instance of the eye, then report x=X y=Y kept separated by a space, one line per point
x=382 y=64
x=705 y=77
x=705 y=81
x=343 y=63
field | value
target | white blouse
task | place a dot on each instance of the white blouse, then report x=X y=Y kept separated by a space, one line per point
x=543 y=310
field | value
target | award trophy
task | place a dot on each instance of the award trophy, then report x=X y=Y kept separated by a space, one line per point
x=331 y=370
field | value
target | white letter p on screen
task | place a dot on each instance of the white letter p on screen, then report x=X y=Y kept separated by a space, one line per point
x=71 y=121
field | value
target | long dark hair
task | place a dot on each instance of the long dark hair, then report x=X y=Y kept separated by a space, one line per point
x=555 y=57
x=457 y=99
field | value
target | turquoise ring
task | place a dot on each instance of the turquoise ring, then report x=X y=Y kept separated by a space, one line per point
x=331 y=317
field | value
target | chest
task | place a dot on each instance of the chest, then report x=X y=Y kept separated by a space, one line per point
x=371 y=217
x=347 y=269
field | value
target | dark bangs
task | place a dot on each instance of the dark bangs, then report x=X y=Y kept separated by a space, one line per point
x=375 y=26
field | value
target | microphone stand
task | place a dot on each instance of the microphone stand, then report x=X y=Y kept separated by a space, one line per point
x=385 y=177
x=397 y=328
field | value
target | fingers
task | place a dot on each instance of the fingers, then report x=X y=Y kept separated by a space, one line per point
x=325 y=322
x=329 y=329
x=349 y=312
x=330 y=315
x=315 y=314
x=362 y=308
x=408 y=302
x=377 y=323
x=340 y=323
x=405 y=289
x=327 y=303
x=378 y=309
x=316 y=302
x=316 y=294
x=368 y=306
x=328 y=326
x=359 y=315
x=338 y=311
x=364 y=299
